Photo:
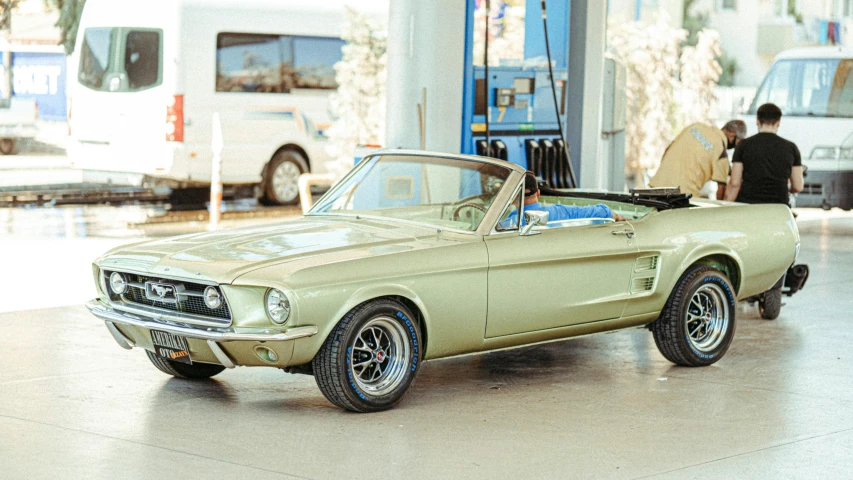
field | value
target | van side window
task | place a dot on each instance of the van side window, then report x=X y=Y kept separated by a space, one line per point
x=247 y=62
x=314 y=60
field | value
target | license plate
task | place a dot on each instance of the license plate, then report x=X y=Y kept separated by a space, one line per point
x=171 y=347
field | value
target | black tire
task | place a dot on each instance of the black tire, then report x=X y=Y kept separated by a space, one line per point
x=7 y=146
x=691 y=336
x=770 y=302
x=336 y=365
x=285 y=164
x=196 y=371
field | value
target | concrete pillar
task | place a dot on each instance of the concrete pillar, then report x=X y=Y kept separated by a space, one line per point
x=588 y=23
x=426 y=49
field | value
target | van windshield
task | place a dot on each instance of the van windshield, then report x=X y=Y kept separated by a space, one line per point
x=121 y=59
x=809 y=87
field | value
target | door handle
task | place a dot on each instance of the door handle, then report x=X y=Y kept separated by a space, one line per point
x=626 y=232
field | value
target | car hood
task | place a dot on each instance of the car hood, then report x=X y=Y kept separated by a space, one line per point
x=225 y=255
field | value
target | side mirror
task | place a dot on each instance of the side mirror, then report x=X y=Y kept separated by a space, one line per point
x=533 y=218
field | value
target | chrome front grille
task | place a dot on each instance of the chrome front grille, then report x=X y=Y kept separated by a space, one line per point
x=189 y=298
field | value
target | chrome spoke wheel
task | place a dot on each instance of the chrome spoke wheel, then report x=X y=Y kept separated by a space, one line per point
x=379 y=356
x=707 y=318
x=285 y=181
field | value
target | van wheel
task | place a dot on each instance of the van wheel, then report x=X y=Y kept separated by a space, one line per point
x=280 y=185
x=7 y=146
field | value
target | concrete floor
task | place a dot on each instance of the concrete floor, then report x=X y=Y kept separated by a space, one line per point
x=75 y=405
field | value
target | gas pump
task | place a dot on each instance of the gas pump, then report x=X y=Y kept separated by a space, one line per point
x=515 y=111
x=442 y=96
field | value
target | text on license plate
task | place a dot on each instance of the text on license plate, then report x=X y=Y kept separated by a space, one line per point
x=171 y=347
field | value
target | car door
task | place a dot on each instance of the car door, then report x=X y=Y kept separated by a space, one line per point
x=558 y=277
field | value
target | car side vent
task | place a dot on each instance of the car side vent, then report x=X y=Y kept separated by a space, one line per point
x=645 y=264
x=645 y=284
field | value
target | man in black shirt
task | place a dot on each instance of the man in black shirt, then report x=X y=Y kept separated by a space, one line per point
x=765 y=163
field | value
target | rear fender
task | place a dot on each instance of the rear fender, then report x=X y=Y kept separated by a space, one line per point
x=724 y=260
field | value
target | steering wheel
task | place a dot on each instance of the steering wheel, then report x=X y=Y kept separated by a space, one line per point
x=467 y=205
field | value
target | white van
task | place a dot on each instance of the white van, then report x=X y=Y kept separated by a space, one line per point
x=814 y=89
x=147 y=77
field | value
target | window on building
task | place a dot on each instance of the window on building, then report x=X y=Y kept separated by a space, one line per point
x=728 y=4
x=275 y=63
x=842 y=8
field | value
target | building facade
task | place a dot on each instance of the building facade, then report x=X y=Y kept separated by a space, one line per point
x=753 y=32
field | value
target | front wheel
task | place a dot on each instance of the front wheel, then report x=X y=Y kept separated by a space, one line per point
x=697 y=323
x=371 y=358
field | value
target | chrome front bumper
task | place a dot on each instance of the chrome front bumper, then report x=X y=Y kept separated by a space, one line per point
x=213 y=336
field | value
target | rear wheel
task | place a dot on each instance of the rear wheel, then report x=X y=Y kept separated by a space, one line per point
x=7 y=146
x=770 y=302
x=196 y=371
x=697 y=323
x=371 y=358
x=280 y=184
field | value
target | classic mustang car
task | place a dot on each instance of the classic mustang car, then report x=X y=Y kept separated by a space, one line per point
x=417 y=256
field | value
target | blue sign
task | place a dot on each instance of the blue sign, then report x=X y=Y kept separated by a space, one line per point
x=41 y=77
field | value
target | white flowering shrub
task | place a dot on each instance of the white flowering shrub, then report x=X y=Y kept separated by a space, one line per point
x=359 y=104
x=667 y=87
x=700 y=73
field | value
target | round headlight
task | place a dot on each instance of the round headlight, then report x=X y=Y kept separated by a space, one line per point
x=117 y=283
x=212 y=298
x=278 y=306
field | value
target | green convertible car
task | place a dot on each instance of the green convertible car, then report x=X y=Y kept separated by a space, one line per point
x=417 y=256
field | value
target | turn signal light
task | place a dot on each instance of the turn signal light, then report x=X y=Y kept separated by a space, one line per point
x=175 y=119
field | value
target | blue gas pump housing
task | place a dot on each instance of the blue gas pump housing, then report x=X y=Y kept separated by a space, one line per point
x=523 y=127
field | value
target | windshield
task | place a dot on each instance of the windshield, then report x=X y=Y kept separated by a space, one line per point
x=809 y=87
x=444 y=192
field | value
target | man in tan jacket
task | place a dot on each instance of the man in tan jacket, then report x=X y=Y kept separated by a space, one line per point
x=699 y=154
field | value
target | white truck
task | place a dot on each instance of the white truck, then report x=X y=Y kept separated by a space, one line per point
x=146 y=79
x=814 y=88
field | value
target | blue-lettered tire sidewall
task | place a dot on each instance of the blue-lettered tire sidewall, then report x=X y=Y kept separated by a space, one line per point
x=718 y=278
x=399 y=313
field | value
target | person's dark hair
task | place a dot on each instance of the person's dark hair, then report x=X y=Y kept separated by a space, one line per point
x=531 y=186
x=738 y=127
x=768 y=114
